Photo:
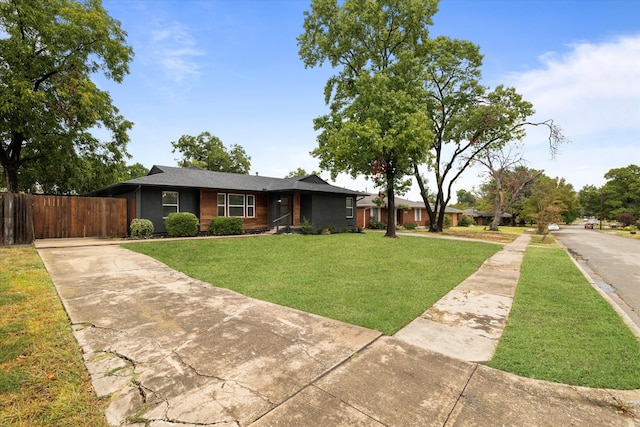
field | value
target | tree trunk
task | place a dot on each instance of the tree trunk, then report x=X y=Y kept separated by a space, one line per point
x=497 y=211
x=8 y=226
x=11 y=178
x=391 y=211
x=10 y=161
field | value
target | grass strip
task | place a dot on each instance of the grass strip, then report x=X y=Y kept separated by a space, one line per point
x=362 y=279
x=560 y=329
x=43 y=380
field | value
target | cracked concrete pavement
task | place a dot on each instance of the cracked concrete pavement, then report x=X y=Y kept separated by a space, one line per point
x=168 y=350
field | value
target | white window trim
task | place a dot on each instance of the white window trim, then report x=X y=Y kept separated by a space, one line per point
x=375 y=214
x=250 y=205
x=417 y=214
x=176 y=205
x=243 y=205
x=224 y=196
x=349 y=208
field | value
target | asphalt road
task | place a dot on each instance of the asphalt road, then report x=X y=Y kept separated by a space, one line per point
x=612 y=261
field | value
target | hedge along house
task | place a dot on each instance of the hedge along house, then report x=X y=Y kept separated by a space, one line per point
x=263 y=203
x=372 y=208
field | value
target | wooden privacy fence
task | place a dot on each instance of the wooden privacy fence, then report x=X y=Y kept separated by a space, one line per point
x=16 y=216
x=26 y=217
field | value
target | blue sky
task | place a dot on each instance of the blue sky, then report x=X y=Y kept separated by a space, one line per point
x=231 y=67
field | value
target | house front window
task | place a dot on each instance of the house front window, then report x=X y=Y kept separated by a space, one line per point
x=417 y=215
x=170 y=204
x=236 y=205
x=349 y=207
x=222 y=204
x=375 y=214
x=251 y=206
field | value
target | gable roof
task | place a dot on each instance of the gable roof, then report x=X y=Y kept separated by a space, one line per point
x=168 y=176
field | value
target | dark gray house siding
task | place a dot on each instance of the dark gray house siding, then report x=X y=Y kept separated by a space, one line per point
x=150 y=206
x=324 y=208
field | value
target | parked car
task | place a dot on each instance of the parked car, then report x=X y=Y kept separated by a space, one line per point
x=553 y=227
x=588 y=225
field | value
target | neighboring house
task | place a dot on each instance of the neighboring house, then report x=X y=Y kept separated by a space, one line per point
x=485 y=218
x=262 y=202
x=406 y=211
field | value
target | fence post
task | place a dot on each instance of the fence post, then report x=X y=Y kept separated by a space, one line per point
x=8 y=205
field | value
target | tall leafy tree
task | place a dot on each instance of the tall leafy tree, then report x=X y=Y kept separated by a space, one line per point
x=591 y=201
x=207 y=151
x=467 y=119
x=551 y=195
x=374 y=126
x=621 y=192
x=48 y=103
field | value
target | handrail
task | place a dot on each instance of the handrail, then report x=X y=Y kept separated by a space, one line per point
x=277 y=221
x=281 y=218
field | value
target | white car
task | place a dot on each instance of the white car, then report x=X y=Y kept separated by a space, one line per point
x=553 y=227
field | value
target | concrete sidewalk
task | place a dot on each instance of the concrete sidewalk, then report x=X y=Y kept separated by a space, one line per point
x=173 y=351
x=468 y=322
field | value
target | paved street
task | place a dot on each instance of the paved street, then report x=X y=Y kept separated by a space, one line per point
x=612 y=261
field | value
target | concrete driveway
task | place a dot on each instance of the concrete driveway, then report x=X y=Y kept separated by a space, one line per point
x=169 y=350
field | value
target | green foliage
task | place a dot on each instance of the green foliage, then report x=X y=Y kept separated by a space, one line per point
x=206 y=151
x=621 y=192
x=377 y=225
x=225 y=226
x=50 y=50
x=141 y=228
x=466 y=199
x=307 y=227
x=410 y=225
x=548 y=193
x=375 y=127
x=466 y=221
x=181 y=224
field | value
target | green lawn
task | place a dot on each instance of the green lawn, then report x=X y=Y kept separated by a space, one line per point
x=363 y=279
x=43 y=379
x=560 y=329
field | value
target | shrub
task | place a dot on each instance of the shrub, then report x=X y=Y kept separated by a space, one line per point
x=626 y=218
x=410 y=225
x=223 y=226
x=377 y=225
x=466 y=221
x=307 y=227
x=181 y=224
x=141 y=228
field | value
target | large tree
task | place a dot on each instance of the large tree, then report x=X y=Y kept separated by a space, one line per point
x=50 y=106
x=468 y=120
x=551 y=195
x=621 y=192
x=375 y=126
x=207 y=151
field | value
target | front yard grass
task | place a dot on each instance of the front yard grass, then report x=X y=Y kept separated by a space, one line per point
x=560 y=329
x=43 y=380
x=363 y=279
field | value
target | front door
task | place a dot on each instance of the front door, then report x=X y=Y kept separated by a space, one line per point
x=283 y=202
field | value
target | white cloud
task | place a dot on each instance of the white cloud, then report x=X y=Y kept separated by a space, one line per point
x=591 y=88
x=175 y=50
x=593 y=93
